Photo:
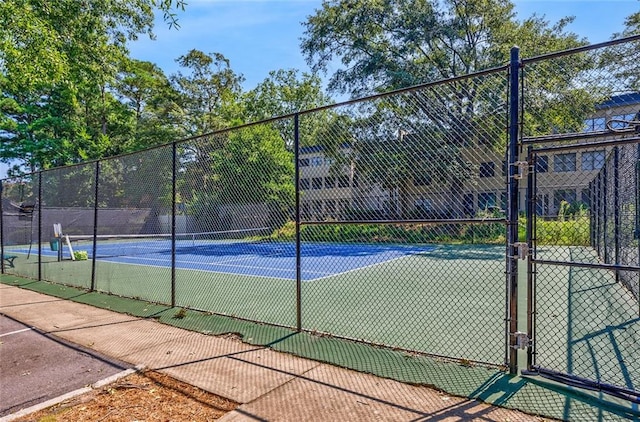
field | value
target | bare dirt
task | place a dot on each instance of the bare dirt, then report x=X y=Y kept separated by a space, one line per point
x=142 y=397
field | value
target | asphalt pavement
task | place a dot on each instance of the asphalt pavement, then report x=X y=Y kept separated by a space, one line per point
x=37 y=367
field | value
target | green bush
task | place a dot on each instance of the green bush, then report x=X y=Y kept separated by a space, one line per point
x=563 y=232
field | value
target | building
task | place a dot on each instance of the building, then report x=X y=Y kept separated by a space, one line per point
x=332 y=193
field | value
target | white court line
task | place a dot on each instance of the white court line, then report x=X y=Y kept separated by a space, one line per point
x=361 y=268
x=16 y=332
x=194 y=269
x=214 y=264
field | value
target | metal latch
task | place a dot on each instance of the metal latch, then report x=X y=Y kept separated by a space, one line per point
x=522 y=169
x=522 y=340
x=523 y=249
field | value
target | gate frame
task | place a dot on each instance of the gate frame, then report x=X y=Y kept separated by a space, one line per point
x=533 y=369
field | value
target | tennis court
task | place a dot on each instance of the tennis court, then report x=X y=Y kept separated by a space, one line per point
x=271 y=259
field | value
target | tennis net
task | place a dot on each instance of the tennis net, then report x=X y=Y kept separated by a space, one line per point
x=119 y=245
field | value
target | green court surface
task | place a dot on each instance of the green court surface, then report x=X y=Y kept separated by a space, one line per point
x=449 y=301
x=588 y=324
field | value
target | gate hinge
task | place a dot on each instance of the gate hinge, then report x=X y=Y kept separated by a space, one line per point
x=522 y=169
x=523 y=250
x=522 y=340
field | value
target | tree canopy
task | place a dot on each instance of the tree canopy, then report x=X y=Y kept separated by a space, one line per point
x=382 y=45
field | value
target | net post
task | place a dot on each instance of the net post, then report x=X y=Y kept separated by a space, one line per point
x=296 y=155
x=512 y=208
x=94 y=247
x=173 y=223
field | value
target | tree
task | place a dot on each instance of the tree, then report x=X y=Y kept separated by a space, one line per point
x=249 y=167
x=285 y=92
x=621 y=61
x=388 y=44
x=146 y=92
x=206 y=89
x=57 y=61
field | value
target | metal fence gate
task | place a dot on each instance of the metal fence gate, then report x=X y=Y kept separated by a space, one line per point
x=582 y=223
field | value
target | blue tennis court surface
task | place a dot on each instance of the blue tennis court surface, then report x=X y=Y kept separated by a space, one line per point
x=268 y=259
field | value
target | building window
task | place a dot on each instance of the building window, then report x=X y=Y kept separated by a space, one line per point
x=329 y=182
x=317 y=207
x=542 y=205
x=594 y=125
x=564 y=162
x=542 y=164
x=343 y=206
x=487 y=169
x=566 y=195
x=316 y=183
x=305 y=210
x=486 y=200
x=621 y=125
x=343 y=181
x=316 y=161
x=304 y=184
x=593 y=160
x=304 y=162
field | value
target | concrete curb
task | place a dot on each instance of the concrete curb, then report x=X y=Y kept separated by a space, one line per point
x=70 y=395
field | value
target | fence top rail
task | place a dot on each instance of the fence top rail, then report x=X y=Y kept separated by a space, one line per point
x=564 y=137
x=355 y=101
x=582 y=49
x=287 y=116
x=583 y=145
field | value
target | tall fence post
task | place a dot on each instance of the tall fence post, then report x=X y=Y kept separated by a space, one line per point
x=616 y=208
x=512 y=207
x=40 y=226
x=95 y=226
x=636 y=233
x=174 y=156
x=605 y=212
x=296 y=155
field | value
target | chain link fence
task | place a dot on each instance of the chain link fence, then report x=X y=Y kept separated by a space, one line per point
x=580 y=134
x=382 y=220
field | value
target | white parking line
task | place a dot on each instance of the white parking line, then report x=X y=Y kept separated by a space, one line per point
x=16 y=332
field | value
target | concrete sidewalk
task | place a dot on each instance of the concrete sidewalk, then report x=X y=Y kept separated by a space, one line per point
x=269 y=385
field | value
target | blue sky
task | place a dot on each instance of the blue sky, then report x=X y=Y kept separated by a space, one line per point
x=258 y=36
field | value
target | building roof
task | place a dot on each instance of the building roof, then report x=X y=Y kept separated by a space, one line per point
x=621 y=100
